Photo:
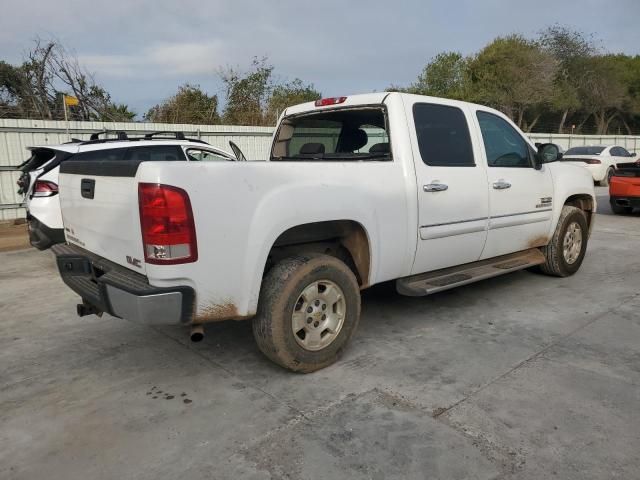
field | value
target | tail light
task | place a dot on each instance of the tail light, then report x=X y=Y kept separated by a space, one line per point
x=44 y=188
x=325 y=102
x=166 y=221
x=593 y=161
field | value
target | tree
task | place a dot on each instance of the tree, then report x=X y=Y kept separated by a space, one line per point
x=287 y=94
x=570 y=48
x=515 y=75
x=630 y=114
x=247 y=93
x=189 y=105
x=604 y=91
x=10 y=86
x=446 y=75
x=35 y=88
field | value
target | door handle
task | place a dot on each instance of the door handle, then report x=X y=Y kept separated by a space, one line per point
x=501 y=185
x=435 y=187
x=87 y=188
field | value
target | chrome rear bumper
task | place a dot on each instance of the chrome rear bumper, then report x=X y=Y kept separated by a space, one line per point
x=111 y=288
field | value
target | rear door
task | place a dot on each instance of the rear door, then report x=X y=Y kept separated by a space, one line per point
x=452 y=185
x=520 y=197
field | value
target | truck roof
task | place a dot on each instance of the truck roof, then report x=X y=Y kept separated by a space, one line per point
x=376 y=98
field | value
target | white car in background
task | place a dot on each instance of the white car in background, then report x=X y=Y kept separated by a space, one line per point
x=39 y=180
x=600 y=160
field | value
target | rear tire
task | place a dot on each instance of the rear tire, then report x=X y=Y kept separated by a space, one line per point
x=565 y=251
x=308 y=311
x=607 y=177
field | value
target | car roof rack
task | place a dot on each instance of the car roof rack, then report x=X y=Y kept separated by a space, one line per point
x=122 y=136
x=169 y=135
x=176 y=135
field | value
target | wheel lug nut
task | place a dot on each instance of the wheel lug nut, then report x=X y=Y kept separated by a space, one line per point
x=324 y=306
x=317 y=302
x=324 y=317
x=315 y=324
x=309 y=310
x=309 y=320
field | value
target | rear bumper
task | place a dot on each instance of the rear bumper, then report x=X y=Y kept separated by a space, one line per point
x=632 y=202
x=41 y=236
x=120 y=292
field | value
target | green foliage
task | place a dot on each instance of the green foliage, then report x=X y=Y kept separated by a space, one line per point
x=514 y=75
x=561 y=77
x=446 y=75
x=288 y=94
x=254 y=98
x=247 y=93
x=189 y=105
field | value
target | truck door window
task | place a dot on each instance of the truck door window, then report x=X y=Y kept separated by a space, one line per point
x=443 y=135
x=344 y=134
x=503 y=145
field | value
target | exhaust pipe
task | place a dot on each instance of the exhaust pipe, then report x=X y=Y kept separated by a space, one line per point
x=197 y=333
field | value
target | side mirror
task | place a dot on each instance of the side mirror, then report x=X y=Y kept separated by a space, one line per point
x=547 y=153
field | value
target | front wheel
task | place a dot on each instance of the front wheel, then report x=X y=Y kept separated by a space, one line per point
x=565 y=251
x=308 y=311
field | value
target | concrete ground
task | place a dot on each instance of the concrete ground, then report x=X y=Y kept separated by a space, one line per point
x=523 y=376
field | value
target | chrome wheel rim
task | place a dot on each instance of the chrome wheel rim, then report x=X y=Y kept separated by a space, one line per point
x=572 y=244
x=318 y=315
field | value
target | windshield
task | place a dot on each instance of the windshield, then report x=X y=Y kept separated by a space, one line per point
x=584 y=151
x=343 y=134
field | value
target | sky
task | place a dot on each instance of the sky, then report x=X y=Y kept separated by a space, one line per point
x=141 y=51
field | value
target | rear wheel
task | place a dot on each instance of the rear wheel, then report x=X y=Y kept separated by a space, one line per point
x=308 y=311
x=565 y=251
x=607 y=177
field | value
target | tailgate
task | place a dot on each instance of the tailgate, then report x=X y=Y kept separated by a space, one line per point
x=99 y=202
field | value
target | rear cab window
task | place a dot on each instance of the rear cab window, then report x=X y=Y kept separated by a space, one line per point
x=443 y=135
x=345 y=134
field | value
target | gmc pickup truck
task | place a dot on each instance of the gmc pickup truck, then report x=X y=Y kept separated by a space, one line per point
x=358 y=190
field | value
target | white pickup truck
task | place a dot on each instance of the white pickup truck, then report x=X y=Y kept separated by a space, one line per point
x=358 y=190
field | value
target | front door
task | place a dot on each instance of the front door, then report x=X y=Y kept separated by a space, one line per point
x=520 y=196
x=452 y=185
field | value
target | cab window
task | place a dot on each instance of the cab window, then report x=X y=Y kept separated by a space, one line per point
x=443 y=135
x=344 y=134
x=503 y=145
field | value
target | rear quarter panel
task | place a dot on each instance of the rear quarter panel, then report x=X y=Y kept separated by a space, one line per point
x=240 y=209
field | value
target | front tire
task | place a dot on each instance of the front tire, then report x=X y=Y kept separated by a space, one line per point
x=308 y=311
x=565 y=252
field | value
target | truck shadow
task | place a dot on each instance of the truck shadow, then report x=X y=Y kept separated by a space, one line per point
x=388 y=318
